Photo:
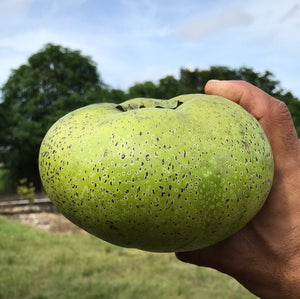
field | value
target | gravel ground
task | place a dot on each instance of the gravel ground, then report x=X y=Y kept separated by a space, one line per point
x=54 y=222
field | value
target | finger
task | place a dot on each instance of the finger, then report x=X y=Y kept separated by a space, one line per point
x=199 y=257
x=243 y=93
x=272 y=114
x=212 y=256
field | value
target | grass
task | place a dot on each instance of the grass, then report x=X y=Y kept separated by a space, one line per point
x=37 y=264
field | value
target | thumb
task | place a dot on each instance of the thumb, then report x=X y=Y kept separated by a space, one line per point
x=272 y=114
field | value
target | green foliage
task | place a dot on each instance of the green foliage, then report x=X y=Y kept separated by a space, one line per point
x=169 y=87
x=52 y=83
x=196 y=80
x=143 y=90
x=3 y=181
x=110 y=95
x=294 y=107
x=38 y=264
x=26 y=190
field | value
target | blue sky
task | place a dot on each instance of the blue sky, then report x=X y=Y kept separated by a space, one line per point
x=134 y=41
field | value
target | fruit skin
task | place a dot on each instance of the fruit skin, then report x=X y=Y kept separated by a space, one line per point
x=161 y=176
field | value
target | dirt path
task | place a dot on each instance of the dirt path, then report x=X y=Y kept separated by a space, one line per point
x=54 y=222
x=49 y=221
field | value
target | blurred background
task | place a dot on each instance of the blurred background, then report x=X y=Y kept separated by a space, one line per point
x=56 y=56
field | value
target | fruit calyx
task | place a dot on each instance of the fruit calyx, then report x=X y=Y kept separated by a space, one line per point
x=140 y=103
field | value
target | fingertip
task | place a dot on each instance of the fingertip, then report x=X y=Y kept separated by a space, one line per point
x=209 y=86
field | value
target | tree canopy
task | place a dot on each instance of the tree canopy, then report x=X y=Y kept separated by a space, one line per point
x=53 y=82
x=57 y=80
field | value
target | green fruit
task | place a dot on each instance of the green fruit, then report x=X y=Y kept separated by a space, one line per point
x=158 y=175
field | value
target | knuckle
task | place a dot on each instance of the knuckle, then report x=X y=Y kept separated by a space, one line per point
x=279 y=111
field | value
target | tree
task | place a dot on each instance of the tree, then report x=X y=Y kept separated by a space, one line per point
x=169 y=87
x=55 y=81
x=294 y=107
x=143 y=90
x=110 y=95
x=195 y=80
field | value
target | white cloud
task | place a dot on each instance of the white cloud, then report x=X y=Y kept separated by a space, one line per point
x=201 y=27
x=13 y=7
x=148 y=73
x=56 y=6
x=276 y=26
x=260 y=21
x=293 y=13
x=28 y=41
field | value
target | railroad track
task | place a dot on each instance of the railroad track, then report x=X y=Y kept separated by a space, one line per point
x=23 y=206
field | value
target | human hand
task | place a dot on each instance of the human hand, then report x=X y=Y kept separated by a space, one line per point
x=265 y=255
